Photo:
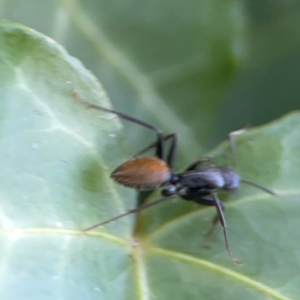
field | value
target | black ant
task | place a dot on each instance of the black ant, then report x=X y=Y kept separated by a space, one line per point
x=197 y=183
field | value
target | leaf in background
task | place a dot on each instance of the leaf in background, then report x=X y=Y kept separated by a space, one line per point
x=55 y=160
x=199 y=68
x=265 y=86
x=168 y=62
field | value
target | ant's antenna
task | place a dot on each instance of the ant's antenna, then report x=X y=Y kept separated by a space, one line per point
x=259 y=187
x=234 y=161
x=136 y=210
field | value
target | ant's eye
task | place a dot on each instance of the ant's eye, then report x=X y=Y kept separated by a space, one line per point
x=169 y=190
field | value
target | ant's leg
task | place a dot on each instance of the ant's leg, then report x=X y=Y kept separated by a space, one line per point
x=221 y=218
x=136 y=210
x=153 y=145
x=214 y=221
x=159 y=149
x=197 y=163
x=172 y=151
x=231 y=136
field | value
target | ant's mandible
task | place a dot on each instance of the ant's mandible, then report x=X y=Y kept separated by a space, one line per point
x=197 y=183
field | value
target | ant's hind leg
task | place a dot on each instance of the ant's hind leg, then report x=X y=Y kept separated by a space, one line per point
x=159 y=144
x=172 y=151
x=171 y=155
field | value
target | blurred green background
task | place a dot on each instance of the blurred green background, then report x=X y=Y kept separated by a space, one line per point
x=200 y=68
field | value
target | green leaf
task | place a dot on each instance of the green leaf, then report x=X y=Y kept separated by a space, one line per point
x=268 y=73
x=169 y=62
x=56 y=157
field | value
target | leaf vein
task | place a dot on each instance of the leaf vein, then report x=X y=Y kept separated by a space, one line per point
x=269 y=291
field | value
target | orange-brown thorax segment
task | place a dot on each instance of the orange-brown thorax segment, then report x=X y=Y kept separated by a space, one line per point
x=142 y=173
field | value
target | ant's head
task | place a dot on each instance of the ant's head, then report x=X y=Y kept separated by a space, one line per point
x=231 y=178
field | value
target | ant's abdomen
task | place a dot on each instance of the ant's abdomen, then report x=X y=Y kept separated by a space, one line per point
x=142 y=173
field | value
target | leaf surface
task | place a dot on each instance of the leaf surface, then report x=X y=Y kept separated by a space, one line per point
x=168 y=62
x=56 y=157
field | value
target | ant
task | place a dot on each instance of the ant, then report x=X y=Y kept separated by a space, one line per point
x=197 y=183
